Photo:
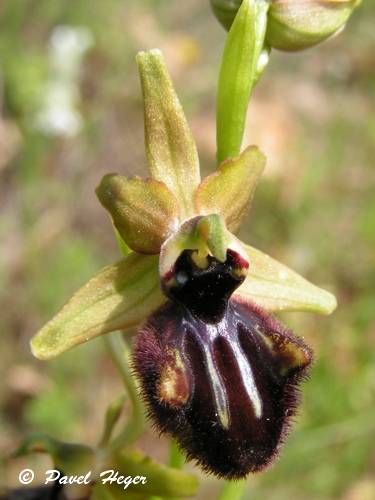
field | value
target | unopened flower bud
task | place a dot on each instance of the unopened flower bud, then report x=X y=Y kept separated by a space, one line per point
x=294 y=24
x=298 y=24
x=225 y=11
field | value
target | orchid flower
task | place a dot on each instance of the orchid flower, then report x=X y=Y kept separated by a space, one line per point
x=216 y=370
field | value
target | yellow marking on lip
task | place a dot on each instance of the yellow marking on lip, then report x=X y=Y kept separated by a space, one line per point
x=295 y=355
x=240 y=272
x=174 y=388
x=200 y=259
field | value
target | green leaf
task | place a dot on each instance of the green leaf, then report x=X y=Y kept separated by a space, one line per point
x=161 y=480
x=112 y=416
x=238 y=74
x=119 y=296
x=104 y=492
x=70 y=458
x=276 y=288
x=145 y=213
x=170 y=147
x=230 y=189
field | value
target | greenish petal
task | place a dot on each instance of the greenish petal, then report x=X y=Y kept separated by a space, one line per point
x=211 y=229
x=144 y=212
x=119 y=296
x=230 y=189
x=275 y=287
x=170 y=147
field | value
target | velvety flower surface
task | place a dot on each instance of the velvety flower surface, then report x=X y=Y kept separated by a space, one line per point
x=220 y=375
x=216 y=370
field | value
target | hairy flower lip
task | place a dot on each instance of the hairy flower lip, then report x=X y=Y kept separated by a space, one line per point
x=243 y=373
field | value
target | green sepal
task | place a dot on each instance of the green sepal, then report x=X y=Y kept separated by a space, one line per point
x=276 y=288
x=170 y=147
x=230 y=189
x=117 y=297
x=144 y=212
x=238 y=74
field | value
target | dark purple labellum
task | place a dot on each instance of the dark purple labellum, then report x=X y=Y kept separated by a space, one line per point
x=224 y=386
x=205 y=291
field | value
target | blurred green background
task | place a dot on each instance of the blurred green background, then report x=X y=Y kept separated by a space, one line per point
x=70 y=111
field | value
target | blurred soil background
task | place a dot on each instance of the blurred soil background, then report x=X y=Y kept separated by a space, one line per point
x=70 y=111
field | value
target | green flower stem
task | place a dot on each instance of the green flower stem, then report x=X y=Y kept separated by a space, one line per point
x=243 y=61
x=119 y=353
x=176 y=461
x=233 y=490
x=176 y=458
x=113 y=414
